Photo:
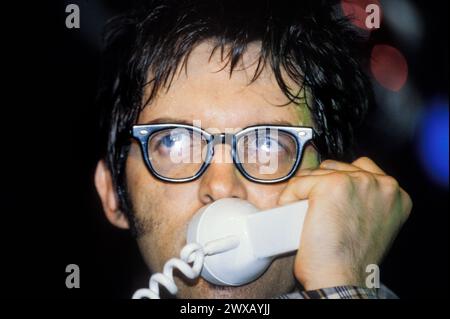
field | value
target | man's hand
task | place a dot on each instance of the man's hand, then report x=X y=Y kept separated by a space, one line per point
x=355 y=211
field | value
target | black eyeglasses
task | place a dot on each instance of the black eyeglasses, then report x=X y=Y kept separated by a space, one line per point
x=182 y=153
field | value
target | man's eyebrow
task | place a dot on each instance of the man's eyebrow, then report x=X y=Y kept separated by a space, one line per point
x=275 y=123
x=169 y=120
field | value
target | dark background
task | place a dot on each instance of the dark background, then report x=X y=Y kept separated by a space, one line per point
x=51 y=214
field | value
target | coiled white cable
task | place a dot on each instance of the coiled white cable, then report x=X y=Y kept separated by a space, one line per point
x=191 y=253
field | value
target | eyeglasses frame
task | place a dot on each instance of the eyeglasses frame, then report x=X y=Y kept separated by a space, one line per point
x=302 y=135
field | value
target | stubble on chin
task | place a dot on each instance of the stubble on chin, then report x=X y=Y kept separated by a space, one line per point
x=277 y=280
x=160 y=239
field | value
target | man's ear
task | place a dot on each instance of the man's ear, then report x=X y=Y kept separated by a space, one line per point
x=108 y=196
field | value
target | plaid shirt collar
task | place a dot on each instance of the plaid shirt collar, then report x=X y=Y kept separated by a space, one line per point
x=342 y=292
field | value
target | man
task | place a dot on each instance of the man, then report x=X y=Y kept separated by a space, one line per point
x=224 y=66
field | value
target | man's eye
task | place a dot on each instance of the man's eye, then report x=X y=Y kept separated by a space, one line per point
x=168 y=141
x=172 y=141
x=267 y=144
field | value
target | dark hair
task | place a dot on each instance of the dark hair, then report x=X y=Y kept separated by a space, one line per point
x=307 y=39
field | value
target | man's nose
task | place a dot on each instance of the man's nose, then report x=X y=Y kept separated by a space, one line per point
x=221 y=179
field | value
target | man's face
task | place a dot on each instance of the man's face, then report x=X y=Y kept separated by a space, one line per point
x=207 y=93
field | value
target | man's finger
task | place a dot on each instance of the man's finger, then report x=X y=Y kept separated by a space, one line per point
x=338 y=166
x=362 y=163
x=299 y=188
x=314 y=172
x=367 y=164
